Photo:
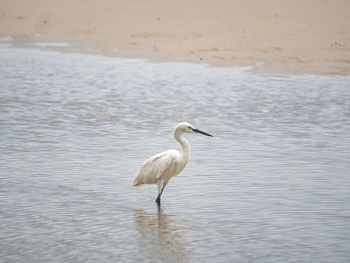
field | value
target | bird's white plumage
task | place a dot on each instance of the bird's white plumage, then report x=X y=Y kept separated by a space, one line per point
x=161 y=165
x=160 y=168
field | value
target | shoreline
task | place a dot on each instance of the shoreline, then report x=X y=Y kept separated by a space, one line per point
x=293 y=37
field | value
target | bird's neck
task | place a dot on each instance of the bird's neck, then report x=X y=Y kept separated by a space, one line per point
x=185 y=145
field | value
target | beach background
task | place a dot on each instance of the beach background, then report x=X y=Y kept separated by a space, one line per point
x=90 y=89
x=290 y=36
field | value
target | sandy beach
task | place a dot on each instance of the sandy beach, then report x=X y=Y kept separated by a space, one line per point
x=290 y=36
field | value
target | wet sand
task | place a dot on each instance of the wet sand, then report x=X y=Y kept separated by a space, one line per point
x=290 y=36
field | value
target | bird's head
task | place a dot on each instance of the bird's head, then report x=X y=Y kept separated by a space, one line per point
x=185 y=127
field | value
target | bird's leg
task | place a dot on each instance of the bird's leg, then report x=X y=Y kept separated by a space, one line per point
x=161 y=186
x=158 y=200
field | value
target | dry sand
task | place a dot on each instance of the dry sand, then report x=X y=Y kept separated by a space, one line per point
x=290 y=36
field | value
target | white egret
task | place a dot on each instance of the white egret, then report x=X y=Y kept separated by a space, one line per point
x=159 y=168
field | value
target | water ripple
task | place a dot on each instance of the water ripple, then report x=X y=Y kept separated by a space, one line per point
x=272 y=185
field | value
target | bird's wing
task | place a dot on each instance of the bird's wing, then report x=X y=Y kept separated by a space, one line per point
x=153 y=168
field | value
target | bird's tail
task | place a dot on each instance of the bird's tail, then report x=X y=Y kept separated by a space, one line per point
x=136 y=182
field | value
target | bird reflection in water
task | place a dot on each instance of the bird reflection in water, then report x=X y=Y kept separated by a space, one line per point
x=162 y=238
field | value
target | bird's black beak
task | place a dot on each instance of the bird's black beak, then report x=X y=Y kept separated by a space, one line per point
x=202 y=132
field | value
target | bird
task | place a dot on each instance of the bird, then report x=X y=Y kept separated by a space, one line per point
x=161 y=167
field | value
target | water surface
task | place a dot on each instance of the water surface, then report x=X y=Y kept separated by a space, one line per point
x=272 y=185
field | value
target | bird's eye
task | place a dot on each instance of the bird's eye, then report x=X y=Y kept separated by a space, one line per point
x=189 y=127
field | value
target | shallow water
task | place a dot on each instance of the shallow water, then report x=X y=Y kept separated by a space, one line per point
x=272 y=185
